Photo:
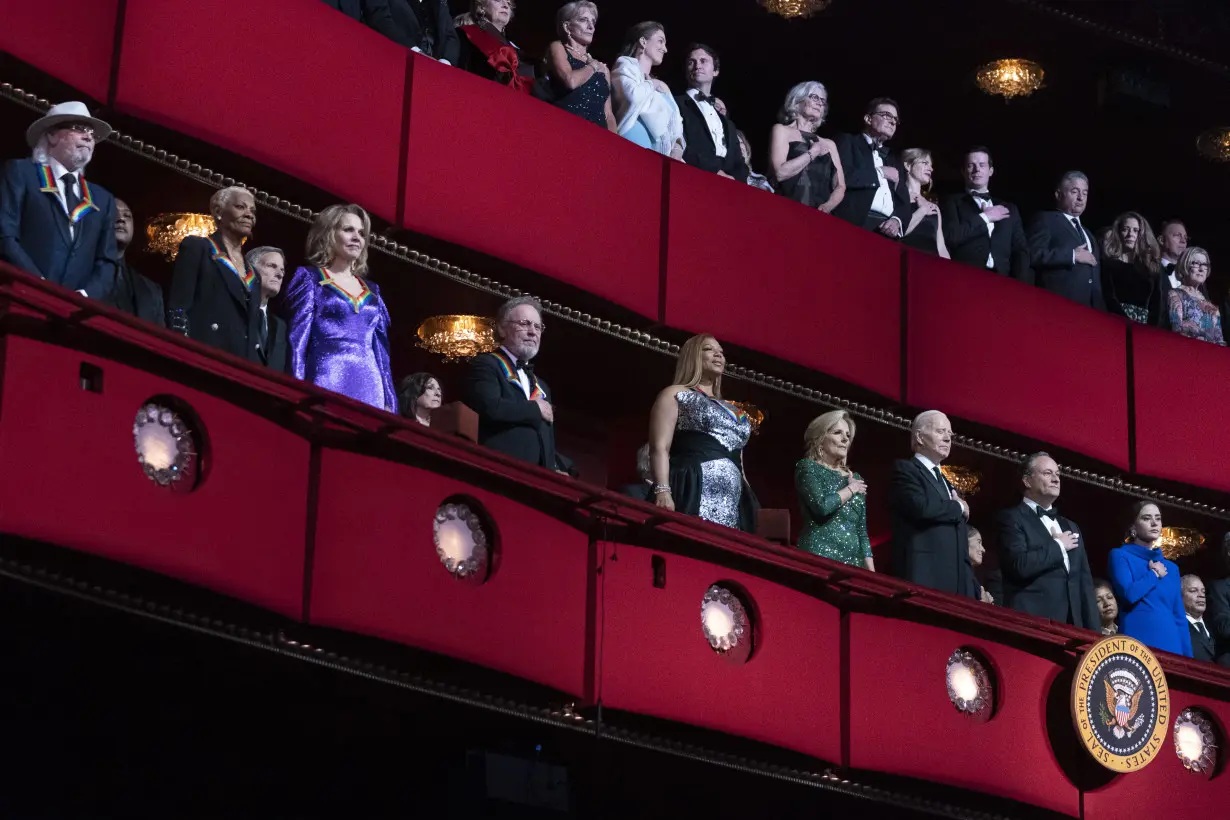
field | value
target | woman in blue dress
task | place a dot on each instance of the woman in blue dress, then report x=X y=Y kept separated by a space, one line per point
x=1146 y=584
x=645 y=111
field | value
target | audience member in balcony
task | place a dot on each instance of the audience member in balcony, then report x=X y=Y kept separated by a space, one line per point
x=1204 y=648
x=418 y=395
x=696 y=442
x=1191 y=312
x=1131 y=270
x=1042 y=553
x=871 y=173
x=977 y=553
x=982 y=230
x=133 y=293
x=1146 y=585
x=645 y=111
x=930 y=538
x=1108 y=607
x=339 y=326
x=1173 y=239
x=53 y=224
x=574 y=80
x=270 y=329
x=832 y=497
x=1219 y=607
x=924 y=230
x=486 y=49
x=515 y=413
x=643 y=489
x=425 y=26
x=805 y=165
x=215 y=296
x=754 y=179
x=710 y=136
x=1064 y=255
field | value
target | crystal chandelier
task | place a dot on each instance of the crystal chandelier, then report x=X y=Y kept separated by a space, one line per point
x=457 y=336
x=1177 y=542
x=795 y=8
x=1214 y=144
x=965 y=480
x=166 y=231
x=1010 y=78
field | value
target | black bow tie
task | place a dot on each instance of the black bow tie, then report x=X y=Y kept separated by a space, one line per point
x=525 y=365
x=700 y=98
x=1051 y=513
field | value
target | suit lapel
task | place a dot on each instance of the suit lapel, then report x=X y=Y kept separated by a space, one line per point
x=929 y=478
x=238 y=287
x=51 y=197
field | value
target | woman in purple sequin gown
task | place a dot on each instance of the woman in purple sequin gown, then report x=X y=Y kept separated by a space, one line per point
x=338 y=325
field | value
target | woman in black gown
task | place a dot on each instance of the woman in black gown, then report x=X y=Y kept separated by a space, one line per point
x=575 y=81
x=923 y=231
x=804 y=164
x=1131 y=270
x=487 y=51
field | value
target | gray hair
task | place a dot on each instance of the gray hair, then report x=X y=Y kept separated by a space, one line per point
x=42 y=148
x=794 y=99
x=220 y=198
x=921 y=422
x=508 y=307
x=253 y=256
x=1027 y=466
x=643 y=467
x=1071 y=175
x=568 y=11
x=1183 y=579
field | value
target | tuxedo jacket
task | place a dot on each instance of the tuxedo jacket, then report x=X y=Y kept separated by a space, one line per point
x=1217 y=618
x=862 y=181
x=35 y=232
x=220 y=308
x=930 y=536
x=1052 y=239
x=137 y=295
x=508 y=421
x=423 y=24
x=700 y=151
x=1035 y=581
x=1203 y=649
x=969 y=241
x=275 y=352
x=350 y=8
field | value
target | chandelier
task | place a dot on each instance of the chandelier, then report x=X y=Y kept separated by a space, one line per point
x=1010 y=78
x=166 y=231
x=964 y=480
x=1176 y=542
x=795 y=8
x=457 y=336
x=1214 y=144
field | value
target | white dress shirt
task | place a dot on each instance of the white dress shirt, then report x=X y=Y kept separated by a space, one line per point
x=523 y=378
x=1204 y=628
x=931 y=465
x=1053 y=526
x=713 y=120
x=883 y=202
x=1174 y=280
x=983 y=199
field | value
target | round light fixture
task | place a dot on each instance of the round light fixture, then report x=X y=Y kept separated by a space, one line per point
x=165 y=447
x=792 y=9
x=1214 y=144
x=1195 y=741
x=165 y=231
x=462 y=541
x=1010 y=78
x=456 y=337
x=725 y=623
x=970 y=687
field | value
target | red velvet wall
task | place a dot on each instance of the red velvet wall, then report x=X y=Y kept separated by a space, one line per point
x=35 y=33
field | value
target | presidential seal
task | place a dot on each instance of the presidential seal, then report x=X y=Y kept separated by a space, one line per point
x=1121 y=704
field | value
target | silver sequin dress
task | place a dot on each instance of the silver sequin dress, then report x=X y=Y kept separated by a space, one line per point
x=721 y=480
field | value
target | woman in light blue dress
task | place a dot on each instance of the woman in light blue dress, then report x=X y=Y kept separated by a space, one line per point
x=645 y=110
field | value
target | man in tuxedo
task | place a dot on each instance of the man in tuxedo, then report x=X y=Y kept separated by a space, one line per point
x=515 y=413
x=1219 y=608
x=1046 y=568
x=270 y=329
x=872 y=173
x=712 y=139
x=53 y=223
x=1065 y=256
x=351 y=8
x=930 y=541
x=133 y=293
x=425 y=26
x=982 y=230
x=1173 y=239
x=1204 y=647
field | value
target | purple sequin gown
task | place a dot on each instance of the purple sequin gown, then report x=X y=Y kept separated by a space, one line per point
x=337 y=341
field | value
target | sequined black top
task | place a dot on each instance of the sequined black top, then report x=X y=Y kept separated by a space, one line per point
x=587 y=101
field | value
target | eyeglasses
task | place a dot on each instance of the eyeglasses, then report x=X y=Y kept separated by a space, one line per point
x=887 y=116
x=526 y=324
x=79 y=128
x=816 y=98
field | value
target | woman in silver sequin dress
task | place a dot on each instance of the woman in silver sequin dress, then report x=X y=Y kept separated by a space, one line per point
x=696 y=442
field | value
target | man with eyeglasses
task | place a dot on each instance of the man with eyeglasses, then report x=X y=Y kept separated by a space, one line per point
x=53 y=223
x=515 y=414
x=872 y=173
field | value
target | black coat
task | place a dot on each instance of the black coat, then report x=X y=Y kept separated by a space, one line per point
x=138 y=295
x=969 y=241
x=350 y=8
x=1217 y=618
x=862 y=181
x=1035 y=581
x=1203 y=649
x=275 y=352
x=220 y=310
x=508 y=421
x=700 y=151
x=1052 y=241
x=423 y=24
x=930 y=536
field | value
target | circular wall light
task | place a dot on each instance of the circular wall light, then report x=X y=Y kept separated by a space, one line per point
x=726 y=624
x=971 y=687
x=167 y=445
x=463 y=540
x=1196 y=741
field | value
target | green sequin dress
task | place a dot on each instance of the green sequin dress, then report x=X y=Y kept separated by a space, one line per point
x=831 y=529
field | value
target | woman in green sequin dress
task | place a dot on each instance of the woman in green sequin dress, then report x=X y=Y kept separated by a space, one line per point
x=832 y=497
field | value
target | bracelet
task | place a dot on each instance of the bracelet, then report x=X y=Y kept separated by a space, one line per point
x=658 y=489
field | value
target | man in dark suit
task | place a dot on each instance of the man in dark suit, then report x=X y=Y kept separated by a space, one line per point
x=133 y=293
x=872 y=174
x=1219 y=608
x=53 y=223
x=426 y=26
x=1046 y=568
x=1064 y=255
x=269 y=329
x=1173 y=238
x=982 y=230
x=515 y=414
x=351 y=8
x=930 y=541
x=1204 y=648
x=712 y=139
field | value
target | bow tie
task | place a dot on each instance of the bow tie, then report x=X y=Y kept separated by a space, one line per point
x=1051 y=513
x=881 y=150
x=700 y=98
x=983 y=195
x=525 y=365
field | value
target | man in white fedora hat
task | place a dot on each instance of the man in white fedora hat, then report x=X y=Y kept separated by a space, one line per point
x=53 y=223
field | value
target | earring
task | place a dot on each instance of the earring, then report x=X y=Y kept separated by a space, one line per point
x=1132 y=533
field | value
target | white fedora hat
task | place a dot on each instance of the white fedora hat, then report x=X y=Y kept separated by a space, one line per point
x=66 y=112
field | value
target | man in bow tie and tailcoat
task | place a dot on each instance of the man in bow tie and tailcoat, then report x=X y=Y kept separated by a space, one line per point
x=53 y=223
x=872 y=173
x=515 y=413
x=1042 y=553
x=712 y=139
x=982 y=230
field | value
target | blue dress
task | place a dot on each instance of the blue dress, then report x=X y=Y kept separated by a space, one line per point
x=639 y=134
x=338 y=341
x=1150 y=608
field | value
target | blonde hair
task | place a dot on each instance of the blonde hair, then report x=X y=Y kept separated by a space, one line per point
x=568 y=12
x=688 y=367
x=820 y=427
x=320 y=236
